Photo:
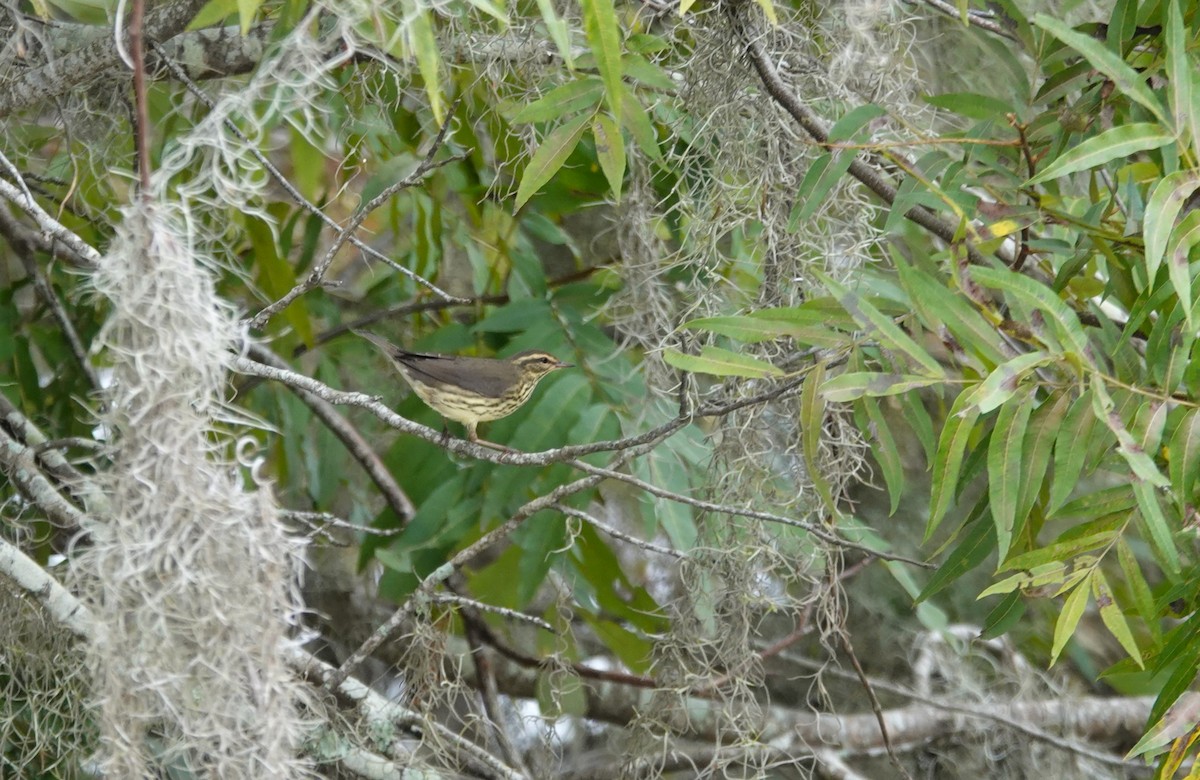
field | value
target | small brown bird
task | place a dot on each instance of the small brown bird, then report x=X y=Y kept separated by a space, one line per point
x=470 y=390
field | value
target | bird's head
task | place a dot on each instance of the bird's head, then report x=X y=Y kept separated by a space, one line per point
x=535 y=364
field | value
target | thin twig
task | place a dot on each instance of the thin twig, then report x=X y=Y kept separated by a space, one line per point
x=288 y=187
x=354 y=442
x=317 y=275
x=49 y=225
x=511 y=614
x=974 y=18
x=617 y=533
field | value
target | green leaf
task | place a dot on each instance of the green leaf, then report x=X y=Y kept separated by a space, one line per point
x=1059 y=552
x=1180 y=76
x=1039 y=442
x=577 y=95
x=1037 y=296
x=1155 y=527
x=1117 y=143
x=1140 y=463
x=646 y=72
x=610 y=150
x=1179 y=248
x=872 y=319
x=558 y=30
x=1114 y=618
x=1166 y=200
x=604 y=39
x=887 y=455
x=424 y=45
x=1068 y=619
x=856 y=384
x=549 y=158
x=1070 y=450
x=812 y=422
x=768 y=9
x=1004 y=466
x=1003 y=616
x=635 y=119
x=936 y=305
x=721 y=362
x=1004 y=381
x=247 y=9
x=1103 y=59
x=1039 y=577
x=1131 y=575
x=755 y=328
x=976 y=544
x=960 y=423
x=1184 y=453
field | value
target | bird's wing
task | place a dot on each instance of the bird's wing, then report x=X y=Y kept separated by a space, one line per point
x=487 y=377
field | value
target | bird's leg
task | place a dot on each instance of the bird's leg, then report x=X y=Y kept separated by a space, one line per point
x=473 y=436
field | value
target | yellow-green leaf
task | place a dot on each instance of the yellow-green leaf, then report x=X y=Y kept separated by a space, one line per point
x=549 y=157
x=603 y=35
x=610 y=150
x=1163 y=207
x=1113 y=617
x=1184 y=454
x=1116 y=143
x=960 y=422
x=1103 y=59
x=1068 y=619
x=1004 y=381
x=812 y=422
x=424 y=45
x=856 y=384
x=1004 y=466
x=721 y=362
x=558 y=30
x=874 y=320
x=564 y=99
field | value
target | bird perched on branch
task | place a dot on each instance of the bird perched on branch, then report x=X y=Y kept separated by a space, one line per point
x=470 y=390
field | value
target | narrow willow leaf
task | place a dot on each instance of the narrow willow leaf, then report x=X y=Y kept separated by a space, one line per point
x=1179 y=249
x=1107 y=62
x=1155 y=527
x=635 y=119
x=976 y=544
x=1037 y=296
x=721 y=362
x=610 y=150
x=856 y=384
x=1099 y=503
x=1163 y=207
x=1054 y=573
x=917 y=417
x=549 y=157
x=1003 y=382
x=1114 y=618
x=1117 y=143
x=825 y=172
x=1068 y=619
x=424 y=45
x=762 y=326
x=577 y=95
x=1060 y=551
x=1070 y=450
x=1133 y=578
x=887 y=455
x=812 y=421
x=1003 y=616
x=1039 y=443
x=603 y=35
x=1184 y=454
x=937 y=305
x=558 y=32
x=1004 y=466
x=492 y=9
x=874 y=320
x=947 y=464
x=1180 y=75
x=1135 y=456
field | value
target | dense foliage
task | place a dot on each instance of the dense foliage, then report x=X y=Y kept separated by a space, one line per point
x=789 y=252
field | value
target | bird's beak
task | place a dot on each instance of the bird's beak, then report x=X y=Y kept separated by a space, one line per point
x=561 y=364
